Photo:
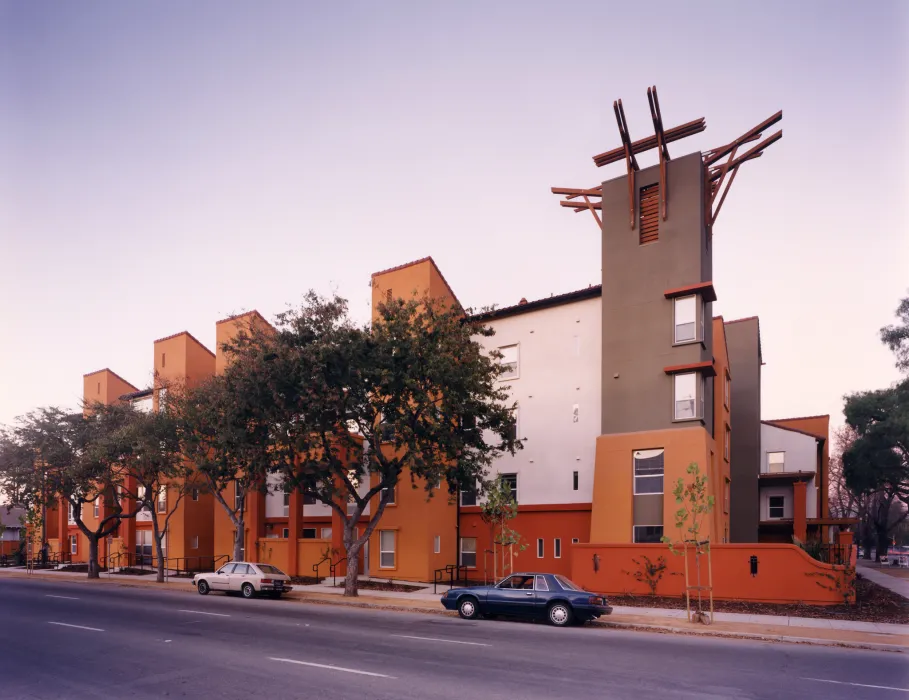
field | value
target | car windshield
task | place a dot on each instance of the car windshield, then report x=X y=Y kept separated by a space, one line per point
x=568 y=585
x=269 y=569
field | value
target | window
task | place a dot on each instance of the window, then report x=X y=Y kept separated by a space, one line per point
x=326 y=533
x=469 y=495
x=540 y=548
x=73 y=544
x=96 y=508
x=163 y=359
x=75 y=512
x=726 y=441
x=644 y=534
x=689 y=396
x=238 y=498
x=194 y=542
x=162 y=499
x=727 y=389
x=574 y=481
x=512 y=481
x=776 y=507
x=285 y=532
x=648 y=472
x=539 y=583
x=436 y=544
x=469 y=552
x=776 y=462
x=286 y=504
x=195 y=494
x=391 y=499
x=388 y=296
x=557 y=548
x=386 y=549
x=686 y=319
x=309 y=499
x=574 y=540
x=726 y=495
x=649 y=214
x=509 y=362
x=309 y=533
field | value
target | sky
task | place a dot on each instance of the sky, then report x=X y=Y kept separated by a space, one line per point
x=166 y=164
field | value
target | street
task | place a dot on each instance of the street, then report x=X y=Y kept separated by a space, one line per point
x=74 y=641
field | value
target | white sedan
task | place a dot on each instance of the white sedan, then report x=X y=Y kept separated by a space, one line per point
x=245 y=578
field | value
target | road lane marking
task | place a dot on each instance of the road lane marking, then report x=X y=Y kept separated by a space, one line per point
x=78 y=627
x=330 y=667
x=64 y=597
x=199 y=612
x=858 y=685
x=436 y=639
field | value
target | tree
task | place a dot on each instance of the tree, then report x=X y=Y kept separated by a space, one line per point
x=844 y=502
x=352 y=409
x=499 y=508
x=896 y=337
x=148 y=450
x=59 y=458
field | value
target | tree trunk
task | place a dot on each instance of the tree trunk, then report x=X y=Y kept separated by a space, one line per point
x=159 y=549
x=883 y=543
x=93 y=569
x=238 y=541
x=352 y=547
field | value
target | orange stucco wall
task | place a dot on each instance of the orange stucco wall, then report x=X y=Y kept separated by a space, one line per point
x=785 y=573
x=546 y=522
x=104 y=387
x=719 y=474
x=611 y=515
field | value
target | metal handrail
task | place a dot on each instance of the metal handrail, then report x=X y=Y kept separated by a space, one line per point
x=315 y=567
x=451 y=570
x=332 y=570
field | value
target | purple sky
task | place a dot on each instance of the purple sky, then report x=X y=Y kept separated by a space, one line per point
x=163 y=165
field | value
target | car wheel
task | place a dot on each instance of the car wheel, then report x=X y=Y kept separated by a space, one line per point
x=203 y=587
x=248 y=590
x=560 y=614
x=469 y=608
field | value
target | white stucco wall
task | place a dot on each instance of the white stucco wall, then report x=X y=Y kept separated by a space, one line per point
x=559 y=368
x=274 y=499
x=801 y=456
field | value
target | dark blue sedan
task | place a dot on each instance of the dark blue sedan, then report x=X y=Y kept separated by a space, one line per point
x=549 y=596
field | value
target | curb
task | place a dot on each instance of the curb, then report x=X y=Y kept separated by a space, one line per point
x=320 y=599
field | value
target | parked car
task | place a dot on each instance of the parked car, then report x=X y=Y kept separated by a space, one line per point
x=245 y=578
x=532 y=595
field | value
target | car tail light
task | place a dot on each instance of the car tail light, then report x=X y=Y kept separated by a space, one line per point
x=267 y=580
x=595 y=600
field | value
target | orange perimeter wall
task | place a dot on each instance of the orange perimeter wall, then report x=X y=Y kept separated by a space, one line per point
x=785 y=573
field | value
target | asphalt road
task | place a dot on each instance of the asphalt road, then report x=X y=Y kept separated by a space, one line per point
x=74 y=641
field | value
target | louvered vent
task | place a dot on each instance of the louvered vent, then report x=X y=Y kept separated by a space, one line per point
x=649 y=222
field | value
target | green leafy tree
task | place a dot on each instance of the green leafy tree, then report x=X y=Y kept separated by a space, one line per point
x=896 y=336
x=351 y=410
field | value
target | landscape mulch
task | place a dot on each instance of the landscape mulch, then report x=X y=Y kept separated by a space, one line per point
x=874 y=603
x=305 y=580
x=385 y=586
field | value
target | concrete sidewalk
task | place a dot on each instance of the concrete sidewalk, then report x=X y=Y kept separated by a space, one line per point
x=767 y=627
x=900 y=586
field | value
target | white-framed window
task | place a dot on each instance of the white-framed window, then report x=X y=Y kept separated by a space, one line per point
x=386 y=549
x=727 y=389
x=194 y=542
x=162 y=499
x=309 y=499
x=776 y=507
x=73 y=544
x=509 y=361
x=512 y=481
x=776 y=462
x=557 y=548
x=285 y=532
x=574 y=481
x=286 y=504
x=436 y=544
x=644 y=534
x=686 y=319
x=238 y=496
x=469 y=495
x=391 y=499
x=309 y=533
x=195 y=494
x=688 y=397
x=575 y=540
x=541 y=548
x=648 y=471
x=469 y=552
x=325 y=533
x=96 y=507
x=73 y=512
x=727 y=440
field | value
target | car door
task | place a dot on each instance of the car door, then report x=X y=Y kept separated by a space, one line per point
x=513 y=596
x=219 y=579
x=541 y=595
x=240 y=575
